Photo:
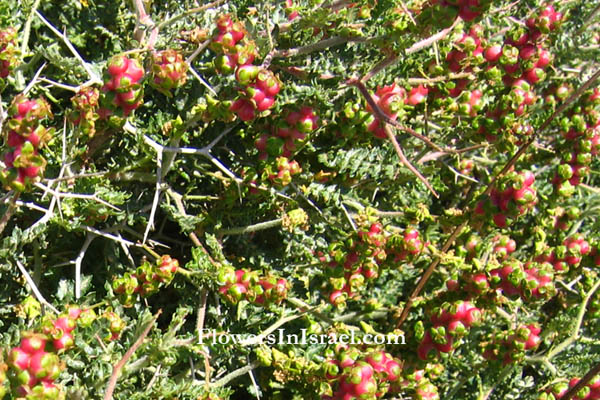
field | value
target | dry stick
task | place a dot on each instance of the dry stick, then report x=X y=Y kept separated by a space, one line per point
x=412 y=49
x=144 y=19
x=544 y=125
x=323 y=44
x=117 y=368
x=190 y=12
x=9 y=211
x=382 y=117
x=34 y=288
x=199 y=329
x=586 y=378
x=427 y=274
x=512 y=161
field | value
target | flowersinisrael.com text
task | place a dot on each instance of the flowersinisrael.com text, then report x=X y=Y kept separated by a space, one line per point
x=279 y=337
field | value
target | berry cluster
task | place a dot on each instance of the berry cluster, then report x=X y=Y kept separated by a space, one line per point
x=85 y=110
x=569 y=255
x=25 y=134
x=242 y=284
x=529 y=280
x=146 y=280
x=405 y=247
x=503 y=246
x=281 y=173
x=521 y=62
x=60 y=330
x=510 y=346
x=9 y=52
x=351 y=263
x=33 y=370
x=122 y=88
x=290 y=10
x=468 y=10
x=591 y=391
x=473 y=284
x=232 y=45
x=287 y=134
x=115 y=325
x=169 y=71
x=34 y=365
x=390 y=99
x=467 y=53
x=511 y=197
x=582 y=143
x=260 y=86
x=450 y=322
x=353 y=374
x=518 y=64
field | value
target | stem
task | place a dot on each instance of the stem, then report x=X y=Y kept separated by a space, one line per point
x=321 y=45
x=9 y=211
x=425 y=277
x=235 y=374
x=575 y=330
x=149 y=250
x=582 y=382
x=119 y=366
x=25 y=42
x=251 y=228
x=189 y=12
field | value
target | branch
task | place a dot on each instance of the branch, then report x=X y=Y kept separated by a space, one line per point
x=117 y=368
x=237 y=373
x=9 y=211
x=582 y=382
x=251 y=228
x=388 y=121
x=428 y=272
x=321 y=45
x=390 y=60
x=93 y=77
x=34 y=288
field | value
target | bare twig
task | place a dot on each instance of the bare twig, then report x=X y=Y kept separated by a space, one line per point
x=323 y=44
x=34 y=288
x=235 y=374
x=88 y=240
x=390 y=60
x=251 y=228
x=9 y=211
x=92 y=75
x=386 y=122
x=427 y=274
x=117 y=368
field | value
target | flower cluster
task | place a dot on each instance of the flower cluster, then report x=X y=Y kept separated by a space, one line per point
x=24 y=136
x=511 y=197
x=355 y=374
x=122 y=88
x=450 y=322
x=169 y=71
x=146 y=280
x=242 y=284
